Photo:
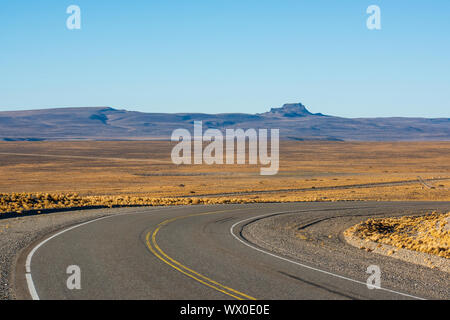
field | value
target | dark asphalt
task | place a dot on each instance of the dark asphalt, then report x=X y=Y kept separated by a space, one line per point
x=195 y=257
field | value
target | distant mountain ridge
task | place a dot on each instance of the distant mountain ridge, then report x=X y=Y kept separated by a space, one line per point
x=294 y=120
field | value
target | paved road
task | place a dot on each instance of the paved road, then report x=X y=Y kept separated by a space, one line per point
x=198 y=252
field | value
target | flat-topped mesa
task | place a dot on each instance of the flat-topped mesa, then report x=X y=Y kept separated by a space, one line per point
x=291 y=110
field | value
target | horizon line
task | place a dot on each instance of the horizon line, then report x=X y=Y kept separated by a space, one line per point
x=116 y=108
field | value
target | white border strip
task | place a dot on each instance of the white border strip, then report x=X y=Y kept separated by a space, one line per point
x=303 y=265
x=28 y=276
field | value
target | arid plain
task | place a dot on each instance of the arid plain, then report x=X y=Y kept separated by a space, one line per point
x=141 y=172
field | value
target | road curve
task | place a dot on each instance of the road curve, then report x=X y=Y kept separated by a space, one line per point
x=201 y=253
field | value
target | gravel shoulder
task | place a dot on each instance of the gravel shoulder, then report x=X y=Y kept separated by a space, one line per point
x=420 y=258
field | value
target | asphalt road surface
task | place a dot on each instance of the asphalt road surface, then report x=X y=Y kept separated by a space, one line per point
x=201 y=253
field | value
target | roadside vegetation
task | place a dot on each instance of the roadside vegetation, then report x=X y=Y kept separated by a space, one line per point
x=26 y=202
x=428 y=233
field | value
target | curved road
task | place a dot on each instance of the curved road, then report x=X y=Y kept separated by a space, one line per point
x=200 y=253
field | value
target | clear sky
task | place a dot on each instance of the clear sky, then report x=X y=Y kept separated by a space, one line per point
x=228 y=56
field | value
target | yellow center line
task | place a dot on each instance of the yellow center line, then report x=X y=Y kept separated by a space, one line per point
x=160 y=254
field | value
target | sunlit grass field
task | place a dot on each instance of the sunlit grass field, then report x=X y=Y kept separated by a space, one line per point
x=427 y=233
x=116 y=173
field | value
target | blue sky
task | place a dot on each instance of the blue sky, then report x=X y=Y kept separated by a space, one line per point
x=228 y=56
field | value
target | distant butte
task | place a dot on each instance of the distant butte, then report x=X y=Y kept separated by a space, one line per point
x=292 y=110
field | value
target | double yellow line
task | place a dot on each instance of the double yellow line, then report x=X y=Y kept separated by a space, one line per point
x=161 y=255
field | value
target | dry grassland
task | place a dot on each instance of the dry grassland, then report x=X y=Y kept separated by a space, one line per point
x=428 y=234
x=73 y=174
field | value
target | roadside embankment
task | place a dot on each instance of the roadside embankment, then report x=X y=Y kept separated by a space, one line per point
x=421 y=239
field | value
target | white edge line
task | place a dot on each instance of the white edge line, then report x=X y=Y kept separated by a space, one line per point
x=29 y=278
x=303 y=265
x=31 y=287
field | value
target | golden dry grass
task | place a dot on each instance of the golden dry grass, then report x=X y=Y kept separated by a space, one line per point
x=21 y=202
x=428 y=233
x=142 y=172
